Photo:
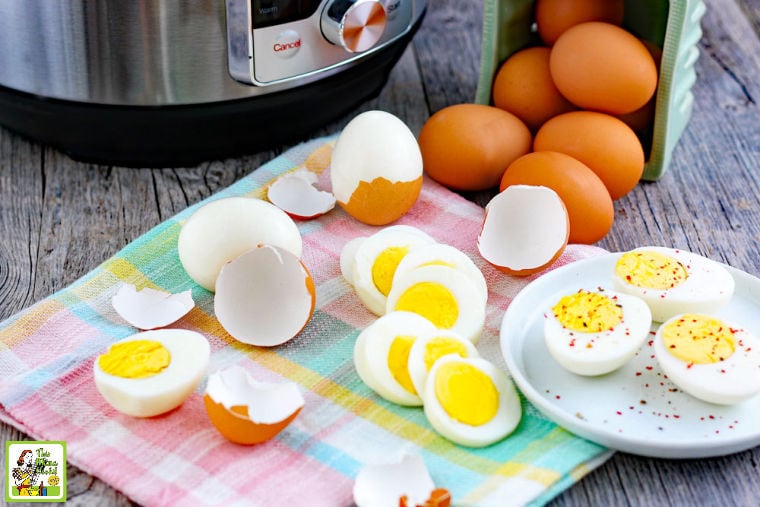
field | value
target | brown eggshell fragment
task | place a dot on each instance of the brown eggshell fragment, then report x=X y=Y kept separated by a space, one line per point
x=150 y=308
x=296 y=194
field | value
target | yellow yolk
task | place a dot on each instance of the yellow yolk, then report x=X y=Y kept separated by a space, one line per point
x=651 y=270
x=588 y=312
x=398 y=359
x=438 y=347
x=135 y=359
x=466 y=394
x=431 y=300
x=385 y=266
x=699 y=339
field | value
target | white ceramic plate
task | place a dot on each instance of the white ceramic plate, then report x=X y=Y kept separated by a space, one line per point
x=633 y=409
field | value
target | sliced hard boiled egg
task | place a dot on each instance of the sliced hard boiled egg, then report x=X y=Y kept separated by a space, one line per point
x=149 y=308
x=428 y=348
x=443 y=295
x=152 y=372
x=375 y=262
x=709 y=358
x=381 y=355
x=673 y=281
x=296 y=194
x=444 y=255
x=376 y=168
x=223 y=229
x=470 y=401
x=386 y=484
x=249 y=412
x=525 y=229
x=264 y=297
x=595 y=332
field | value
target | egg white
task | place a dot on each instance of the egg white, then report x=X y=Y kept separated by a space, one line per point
x=708 y=286
x=598 y=353
x=733 y=380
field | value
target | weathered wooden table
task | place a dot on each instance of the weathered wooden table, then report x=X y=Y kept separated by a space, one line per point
x=60 y=218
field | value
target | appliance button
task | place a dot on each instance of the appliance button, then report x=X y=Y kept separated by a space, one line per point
x=287 y=44
x=354 y=25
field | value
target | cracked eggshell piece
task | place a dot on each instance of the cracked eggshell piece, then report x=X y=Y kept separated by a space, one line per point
x=152 y=372
x=264 y=297
x=149 y=308
x=382 y=485
x=525 y=229
x=296 y=194
x=246 y=411
x=221 y=230
x=376 y=168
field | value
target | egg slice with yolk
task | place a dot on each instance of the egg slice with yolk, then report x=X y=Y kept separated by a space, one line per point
x=709 y=358
x=470 y=401
x=428 y=348
x=673 y=281
x=595 y=332
x=152 y=372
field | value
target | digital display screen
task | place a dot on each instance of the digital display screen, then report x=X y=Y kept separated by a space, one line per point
x=276 y=12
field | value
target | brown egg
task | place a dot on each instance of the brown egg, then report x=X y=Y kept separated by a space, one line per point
x=469 y=146
x=589 y=206
x=524 y=87
x=602 y=67
x=555 y=16
x=602 y=142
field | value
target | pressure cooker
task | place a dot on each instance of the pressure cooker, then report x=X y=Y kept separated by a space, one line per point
x=175 y=82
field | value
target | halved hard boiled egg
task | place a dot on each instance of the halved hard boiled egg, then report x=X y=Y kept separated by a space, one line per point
x=221 y=230
x=369 y=264
x=470 y=401
x=430 y=347
x=381 y=355
x=525 y=229
x=595 y=332
x=709 y=358
x=376 y=168
x=246 y=411
x=445 y=296
x=673 y=281
x=150 y=308
x=296 y=194
x=152 y=372
x=264 y=297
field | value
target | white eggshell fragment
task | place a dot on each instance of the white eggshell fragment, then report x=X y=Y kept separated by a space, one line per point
x=153 y=395
x=264 y=297
x=382 y=485
x=149 y=308
x=296 y=195
x=221 y=230
x=525 y=229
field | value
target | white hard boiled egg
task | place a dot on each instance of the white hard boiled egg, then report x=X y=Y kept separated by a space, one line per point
x=264 y=297
x=444 y=255
x=246 y=411
x=375 y=261
x=150 y=308
x=595 y=332
x=381 y=355
x=443 y=295
x=470 y=401
x=673 y=281
x=430 y=347
x=221 y=230
x=376 y=168
x=709 y=358
x=525 y=229
x=152 y=372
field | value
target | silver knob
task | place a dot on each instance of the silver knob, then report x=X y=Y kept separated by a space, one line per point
x=355 y=25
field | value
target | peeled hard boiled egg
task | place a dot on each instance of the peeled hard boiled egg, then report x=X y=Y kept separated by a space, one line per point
x=709 y=358
x=223 y=229
x=152 y=372
x=246 y=411
x=470 y=401
x=595 y=332
x=376 y=168
x=673 y=281
x=430 y=347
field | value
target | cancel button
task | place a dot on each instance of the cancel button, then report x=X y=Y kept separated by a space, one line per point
x=287 y=44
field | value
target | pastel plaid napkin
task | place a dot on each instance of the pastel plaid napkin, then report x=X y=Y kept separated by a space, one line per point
x=47 y=388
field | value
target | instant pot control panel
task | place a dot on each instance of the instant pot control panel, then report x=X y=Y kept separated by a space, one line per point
x=275 y=41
